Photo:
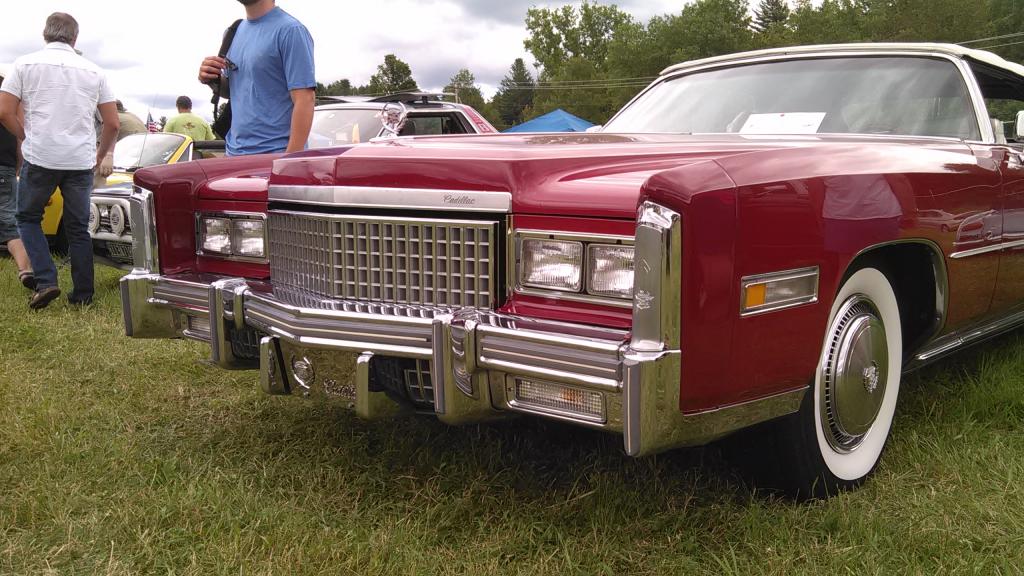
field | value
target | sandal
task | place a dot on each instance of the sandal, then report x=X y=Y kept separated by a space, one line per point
x=27 y=279
x=42 y=298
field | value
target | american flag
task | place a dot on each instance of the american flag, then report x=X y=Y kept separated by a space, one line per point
x=150 y=124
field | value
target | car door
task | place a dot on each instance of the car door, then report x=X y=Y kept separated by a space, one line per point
x=1004 y=98
x=1009 y=292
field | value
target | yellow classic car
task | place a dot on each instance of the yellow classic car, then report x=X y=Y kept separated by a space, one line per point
x=130 y=154
x=109 y=224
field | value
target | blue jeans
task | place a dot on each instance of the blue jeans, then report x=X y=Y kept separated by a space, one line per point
x=36 y=186
x=8 y=227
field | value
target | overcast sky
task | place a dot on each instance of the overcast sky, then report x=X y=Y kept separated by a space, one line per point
x=152 y=50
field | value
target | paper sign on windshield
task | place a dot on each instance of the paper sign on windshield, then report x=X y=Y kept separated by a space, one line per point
x=783 y=123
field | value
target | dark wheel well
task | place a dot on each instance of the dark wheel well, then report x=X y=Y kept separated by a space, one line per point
x=917 y=273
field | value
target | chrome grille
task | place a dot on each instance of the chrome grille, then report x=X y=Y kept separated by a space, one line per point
x=448 y=263
x=418 y=383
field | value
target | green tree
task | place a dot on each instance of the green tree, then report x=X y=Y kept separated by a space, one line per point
x=924 y=20
x=392 y=76
x=1005 y=17
x=464 y=89
x=832 y=21
x=558 y=35
x=711 y=28
x=582 y=90
x=515 y=94
x=341 y=87
x=769 y=14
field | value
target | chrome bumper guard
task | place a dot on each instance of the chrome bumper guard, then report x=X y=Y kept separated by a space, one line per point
x=114 y=249
x=482 y=363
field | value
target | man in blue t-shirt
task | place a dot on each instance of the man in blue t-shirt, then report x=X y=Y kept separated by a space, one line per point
x=270 y=68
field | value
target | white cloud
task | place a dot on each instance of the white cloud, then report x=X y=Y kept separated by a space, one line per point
x=152 y=50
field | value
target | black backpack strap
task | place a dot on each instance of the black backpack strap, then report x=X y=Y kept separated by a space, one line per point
x=225 y=45
x=229 y=37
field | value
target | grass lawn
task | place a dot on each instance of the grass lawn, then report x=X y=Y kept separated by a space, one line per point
x=123 y=456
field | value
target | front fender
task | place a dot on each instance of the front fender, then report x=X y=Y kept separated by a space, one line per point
x=705 y=197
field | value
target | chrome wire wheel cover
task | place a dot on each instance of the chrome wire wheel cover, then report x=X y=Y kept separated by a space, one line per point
x=853 y=375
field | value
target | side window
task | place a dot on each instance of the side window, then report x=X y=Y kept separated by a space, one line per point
x=1004 y=98
x=433 y=124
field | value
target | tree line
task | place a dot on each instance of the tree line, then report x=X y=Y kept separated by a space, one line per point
x=591 y=58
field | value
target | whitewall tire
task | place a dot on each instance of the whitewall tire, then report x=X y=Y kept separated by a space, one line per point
x=837 y=438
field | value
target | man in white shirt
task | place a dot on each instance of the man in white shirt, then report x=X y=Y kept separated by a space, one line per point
x=60 y=93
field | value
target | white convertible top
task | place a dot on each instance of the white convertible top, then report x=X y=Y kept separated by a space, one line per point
x=867 y=47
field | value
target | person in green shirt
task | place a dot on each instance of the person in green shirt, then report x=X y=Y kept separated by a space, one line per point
x=188 y=123
x=130 y=123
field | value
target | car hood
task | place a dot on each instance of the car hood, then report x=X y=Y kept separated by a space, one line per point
x=597 y=174
x=576 y=174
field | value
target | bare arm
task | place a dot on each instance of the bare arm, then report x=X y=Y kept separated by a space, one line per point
x=20 y=159
x=111 y=124
x=9 y=116
x=302 y=118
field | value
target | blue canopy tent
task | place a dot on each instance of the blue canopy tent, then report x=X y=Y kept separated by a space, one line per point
x=557 y=121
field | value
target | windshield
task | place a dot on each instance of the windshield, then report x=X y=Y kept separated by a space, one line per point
x=856 y=95
x=142 y=150
x=338 y=127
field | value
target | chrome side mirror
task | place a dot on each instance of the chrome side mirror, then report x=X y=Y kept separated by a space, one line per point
x=1018 y=131
x=393 y=116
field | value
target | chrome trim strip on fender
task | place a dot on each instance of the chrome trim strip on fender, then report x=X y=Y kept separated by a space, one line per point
x=988 y=249
x=404 y=198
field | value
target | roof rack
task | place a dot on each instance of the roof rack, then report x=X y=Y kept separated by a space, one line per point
x=411 y=97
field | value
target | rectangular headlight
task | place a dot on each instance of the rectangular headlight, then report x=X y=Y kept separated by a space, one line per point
x=216 y=235
x=611 y=270
x=553 y=264
x=248 y=238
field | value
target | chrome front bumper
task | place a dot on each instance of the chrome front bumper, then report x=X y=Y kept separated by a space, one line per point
x=479 y=361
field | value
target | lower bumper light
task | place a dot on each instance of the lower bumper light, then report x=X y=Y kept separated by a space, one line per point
x=558 y=399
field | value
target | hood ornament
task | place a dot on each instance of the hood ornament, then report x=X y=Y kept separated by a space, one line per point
x=393 y=116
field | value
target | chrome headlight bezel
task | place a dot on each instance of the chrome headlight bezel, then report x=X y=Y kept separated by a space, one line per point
x=584 y=291
x=235 y=235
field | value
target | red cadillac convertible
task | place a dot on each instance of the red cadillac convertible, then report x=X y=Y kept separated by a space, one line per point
x=767 y=237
